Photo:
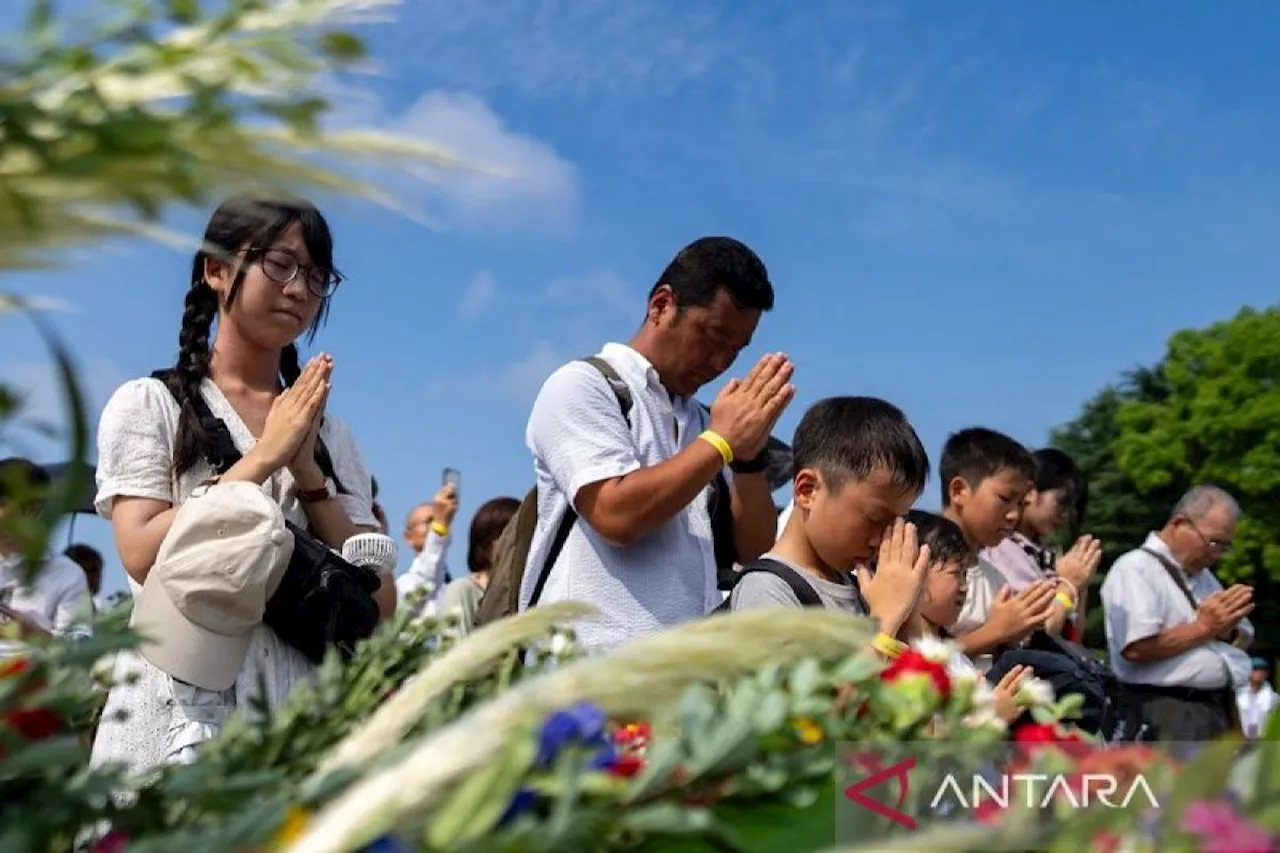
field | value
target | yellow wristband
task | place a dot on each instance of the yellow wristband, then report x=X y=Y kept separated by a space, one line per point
x=440 y=529
x=1065 y=600
x=888 y=646
x=717 y=441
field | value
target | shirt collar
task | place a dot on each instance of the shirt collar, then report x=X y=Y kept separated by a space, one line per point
x=629 y=362
x=1155 y=543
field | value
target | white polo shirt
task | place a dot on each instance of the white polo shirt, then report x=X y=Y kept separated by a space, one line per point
x=578 y=436
x=1141 y=600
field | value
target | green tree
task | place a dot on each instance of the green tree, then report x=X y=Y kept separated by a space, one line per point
x=1119 y=512
x=1218 y=422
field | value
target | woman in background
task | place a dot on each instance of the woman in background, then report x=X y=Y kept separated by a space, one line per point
x=463 y=595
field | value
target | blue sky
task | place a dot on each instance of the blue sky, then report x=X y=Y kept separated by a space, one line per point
x=982 y=212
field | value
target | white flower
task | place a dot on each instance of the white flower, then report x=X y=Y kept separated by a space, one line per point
x=986 y=717
x=1034 y=692
x=984 y=698
x=560 y=645
x=938 y=651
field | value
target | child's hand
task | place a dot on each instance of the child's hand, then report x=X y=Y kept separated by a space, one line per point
x=892 y=592
x=1014 y=617
x=1004 y=693
x=1079 y=564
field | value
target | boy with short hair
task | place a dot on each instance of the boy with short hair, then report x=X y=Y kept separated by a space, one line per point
x=859 y=466
x=985 y=477
x=942 y=597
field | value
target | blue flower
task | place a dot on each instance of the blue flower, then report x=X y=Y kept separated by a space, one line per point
x=386 y=844
x=520 y=803
x=583 y=724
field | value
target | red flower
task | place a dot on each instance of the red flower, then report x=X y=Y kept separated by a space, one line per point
x=633 y=734
x=14 y=667
x=33 y=723
x=911 y=662
x=626 y=765
x=1034 y=737
x=988 y=812
x=1106 y=841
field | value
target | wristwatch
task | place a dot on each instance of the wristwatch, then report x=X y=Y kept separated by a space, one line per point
x=750 y=466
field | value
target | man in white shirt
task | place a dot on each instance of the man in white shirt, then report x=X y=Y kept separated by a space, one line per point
x=1175 y=636
x=56 y=601
x=428 y=532
x=639 y=546
x=1256 y=701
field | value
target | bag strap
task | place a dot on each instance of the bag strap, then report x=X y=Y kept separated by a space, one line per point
x=220 y=449
x=1176 y=575
x=570 y=517
x=801 y=588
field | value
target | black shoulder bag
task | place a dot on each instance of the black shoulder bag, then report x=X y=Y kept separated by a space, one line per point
x=322 y=600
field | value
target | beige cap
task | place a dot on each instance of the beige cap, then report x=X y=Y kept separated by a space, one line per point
x=222 y=559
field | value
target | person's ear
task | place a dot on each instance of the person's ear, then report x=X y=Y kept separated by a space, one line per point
x=805 y=488
x=662 y=304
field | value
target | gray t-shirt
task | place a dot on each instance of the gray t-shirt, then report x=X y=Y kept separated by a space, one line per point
x=762 y=589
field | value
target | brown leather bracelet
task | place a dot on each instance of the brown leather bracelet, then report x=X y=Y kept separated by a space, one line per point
x=314 y=496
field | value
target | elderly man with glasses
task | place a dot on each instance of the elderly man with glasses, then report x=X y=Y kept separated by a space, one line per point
x=1174 y=634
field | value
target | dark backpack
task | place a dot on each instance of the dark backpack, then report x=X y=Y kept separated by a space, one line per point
x=1070 y=668
x=803 y=590
x=511 y=552
x=322 y=600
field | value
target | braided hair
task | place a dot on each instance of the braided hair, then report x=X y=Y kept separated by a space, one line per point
x=239 y=224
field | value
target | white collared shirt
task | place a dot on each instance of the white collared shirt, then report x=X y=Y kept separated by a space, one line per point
x=578 y=436
x=1255 y=707
x=1140 y=600
x=57 y=599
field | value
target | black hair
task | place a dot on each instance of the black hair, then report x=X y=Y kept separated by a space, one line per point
x=22 y=478
x=88 y=557
x=486 y=526
x=373 y=487
x=943 y=536
x=701 y=269
x=845 y=437
x=1054 y=469
x=250 y=225
x=976 y=453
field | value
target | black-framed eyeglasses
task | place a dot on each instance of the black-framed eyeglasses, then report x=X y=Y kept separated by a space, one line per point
x=282 y=267
x=1217 y=545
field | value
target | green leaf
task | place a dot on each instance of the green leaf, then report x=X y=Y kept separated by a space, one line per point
x=184 y=11
x=1203 y=778
x=477 y=805
x=804 y=678
x=342 y=47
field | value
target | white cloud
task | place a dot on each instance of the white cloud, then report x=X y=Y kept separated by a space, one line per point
x=603 y=287
x=565 y=48
x=515 y=383
x=479 y=294
x=43 y=418
x=518 y=182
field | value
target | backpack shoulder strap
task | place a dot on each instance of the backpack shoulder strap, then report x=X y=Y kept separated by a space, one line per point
x=802 y=589
x=620 y=389
x=220 y=452
x=570 y=517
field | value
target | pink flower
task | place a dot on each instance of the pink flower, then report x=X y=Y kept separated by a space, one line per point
x=114 y=841
x=1221 y=829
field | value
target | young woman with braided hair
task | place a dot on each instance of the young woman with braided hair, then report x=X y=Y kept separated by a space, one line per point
x=265 y=276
